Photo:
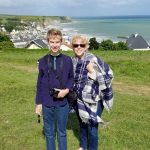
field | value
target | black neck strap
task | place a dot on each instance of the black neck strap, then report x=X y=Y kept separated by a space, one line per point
x=51 y=70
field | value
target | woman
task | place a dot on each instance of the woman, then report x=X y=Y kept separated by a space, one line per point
x=92 y=84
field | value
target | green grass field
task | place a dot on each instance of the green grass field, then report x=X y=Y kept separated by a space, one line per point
x=129 y=127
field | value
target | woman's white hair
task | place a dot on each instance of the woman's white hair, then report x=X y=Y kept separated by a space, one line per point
x=83 y=38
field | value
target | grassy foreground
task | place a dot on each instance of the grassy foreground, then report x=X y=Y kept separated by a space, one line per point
x=129 y=126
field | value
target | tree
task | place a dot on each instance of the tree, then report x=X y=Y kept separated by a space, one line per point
x=9 y=27
x=93 y=44
x=4 y=37
x=5 y=41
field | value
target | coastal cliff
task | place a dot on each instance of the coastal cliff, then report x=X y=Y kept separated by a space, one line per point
x=22 y=21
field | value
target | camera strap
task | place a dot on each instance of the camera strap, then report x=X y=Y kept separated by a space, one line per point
x=51 y=69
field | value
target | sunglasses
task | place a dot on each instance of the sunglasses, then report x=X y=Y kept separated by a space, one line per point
x=77 y=45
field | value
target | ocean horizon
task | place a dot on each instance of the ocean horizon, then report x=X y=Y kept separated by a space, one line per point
x=109 y=27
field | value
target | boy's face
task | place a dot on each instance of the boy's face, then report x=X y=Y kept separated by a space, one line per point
x=54 y=43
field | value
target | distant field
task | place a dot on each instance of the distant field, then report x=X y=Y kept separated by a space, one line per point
x=129 y=126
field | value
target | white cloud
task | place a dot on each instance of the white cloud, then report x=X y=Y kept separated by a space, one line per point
x=59 y=3
x=115 y=2
x=11 y=3
x=73 y=7
x=20 y=3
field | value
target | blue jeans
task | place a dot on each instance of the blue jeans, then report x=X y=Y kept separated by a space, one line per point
x=58 y=114
x=89 y=132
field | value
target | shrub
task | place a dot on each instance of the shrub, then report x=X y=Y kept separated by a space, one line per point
x=6 y=44
x=122 y=46
x=9 y=27
x=4 y=37
x=5 y=41
x=107 y=45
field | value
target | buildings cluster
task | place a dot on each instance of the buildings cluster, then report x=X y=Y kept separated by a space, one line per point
x=34 y=37
x=22 y=38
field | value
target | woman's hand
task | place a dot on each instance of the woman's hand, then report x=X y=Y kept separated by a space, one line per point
x=90 y=67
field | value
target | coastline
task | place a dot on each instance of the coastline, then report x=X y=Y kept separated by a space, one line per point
x=103 y=28
x=68 y=31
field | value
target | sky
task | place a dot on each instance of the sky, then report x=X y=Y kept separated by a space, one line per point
x=75 y=7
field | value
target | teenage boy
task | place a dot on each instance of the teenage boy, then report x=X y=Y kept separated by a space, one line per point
x=55 y=79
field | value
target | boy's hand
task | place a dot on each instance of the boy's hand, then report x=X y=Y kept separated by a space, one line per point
x=38 y=109
x=63 y=93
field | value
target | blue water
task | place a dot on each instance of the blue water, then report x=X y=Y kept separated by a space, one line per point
x=110 y=27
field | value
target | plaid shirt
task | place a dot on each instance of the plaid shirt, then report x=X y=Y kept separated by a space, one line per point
x=92 y=87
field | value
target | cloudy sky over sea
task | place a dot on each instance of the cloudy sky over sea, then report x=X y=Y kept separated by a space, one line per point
x=75 y=7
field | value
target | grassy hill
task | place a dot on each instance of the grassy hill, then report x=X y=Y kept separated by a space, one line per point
x=129 y=120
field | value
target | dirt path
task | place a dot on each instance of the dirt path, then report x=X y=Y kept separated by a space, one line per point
x=132 y=89
x=20 y=67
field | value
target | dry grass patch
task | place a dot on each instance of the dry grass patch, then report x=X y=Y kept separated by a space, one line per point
x=124 y=88
x=29 y=69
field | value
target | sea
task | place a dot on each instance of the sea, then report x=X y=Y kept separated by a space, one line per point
x=115 y=28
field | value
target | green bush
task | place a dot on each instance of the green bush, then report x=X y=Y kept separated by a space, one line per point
x=107 y=45
x=122 y=45
x=5 y=41
x=6 y=44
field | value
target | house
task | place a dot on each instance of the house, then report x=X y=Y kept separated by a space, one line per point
x=137 y=42
x=36 y=44
x=66 y=38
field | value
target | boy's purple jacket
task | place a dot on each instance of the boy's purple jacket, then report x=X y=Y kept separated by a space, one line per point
x=44 y=84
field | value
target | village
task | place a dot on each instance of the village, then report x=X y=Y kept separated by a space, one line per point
x=33 y=37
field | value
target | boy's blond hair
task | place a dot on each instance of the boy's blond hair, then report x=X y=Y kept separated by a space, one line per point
x=54 y=33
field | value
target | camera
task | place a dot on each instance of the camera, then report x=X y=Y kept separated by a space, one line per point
x=54 y=92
